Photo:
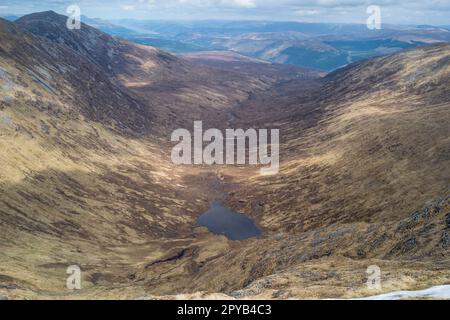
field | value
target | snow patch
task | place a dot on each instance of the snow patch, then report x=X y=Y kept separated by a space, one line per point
x=438 y=292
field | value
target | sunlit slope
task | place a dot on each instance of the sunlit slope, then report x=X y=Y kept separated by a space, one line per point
x=363 y=181
x=370 y=143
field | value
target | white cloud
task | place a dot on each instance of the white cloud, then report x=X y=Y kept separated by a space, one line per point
x=128 y=7
x=241 y=3
x=220 y=3
x=307 y=12
x=396 y=11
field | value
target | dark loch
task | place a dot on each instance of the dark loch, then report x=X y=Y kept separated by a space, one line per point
x=222 y=221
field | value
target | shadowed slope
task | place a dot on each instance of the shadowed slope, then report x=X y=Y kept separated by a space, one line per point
x=177 y=91
x=35 y=67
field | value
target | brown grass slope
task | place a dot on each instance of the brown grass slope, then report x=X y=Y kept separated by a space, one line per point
x=364 y=151
x=229 y=60
x=82 y=180
x=363 y=181
x=369 y=142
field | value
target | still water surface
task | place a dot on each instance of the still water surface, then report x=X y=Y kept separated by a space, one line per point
x=221 y=220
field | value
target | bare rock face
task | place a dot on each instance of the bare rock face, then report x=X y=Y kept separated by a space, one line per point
x=447 y=220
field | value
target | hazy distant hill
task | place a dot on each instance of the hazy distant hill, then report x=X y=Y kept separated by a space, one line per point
x=10 y=17
x=311 y=45
x=107 y=26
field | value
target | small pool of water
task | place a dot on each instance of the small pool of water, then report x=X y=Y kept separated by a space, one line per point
x=221 y=220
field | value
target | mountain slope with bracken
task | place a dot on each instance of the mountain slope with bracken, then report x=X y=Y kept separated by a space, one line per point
x=374 y=130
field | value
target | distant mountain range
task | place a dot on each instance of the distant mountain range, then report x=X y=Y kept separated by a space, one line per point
x=10 y=17
x=323 y=46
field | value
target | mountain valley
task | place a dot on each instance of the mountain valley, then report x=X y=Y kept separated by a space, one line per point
x=87 y=179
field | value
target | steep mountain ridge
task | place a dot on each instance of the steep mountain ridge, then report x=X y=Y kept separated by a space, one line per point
x=57 y=72
x=89 y=42
x=419 y=72
x=114 y=55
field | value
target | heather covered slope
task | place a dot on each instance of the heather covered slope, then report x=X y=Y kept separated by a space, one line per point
x=33 y=68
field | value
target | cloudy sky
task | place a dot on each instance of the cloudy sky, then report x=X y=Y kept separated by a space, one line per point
x=436 y=12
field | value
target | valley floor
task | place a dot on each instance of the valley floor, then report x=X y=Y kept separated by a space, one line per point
x=284 y=263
